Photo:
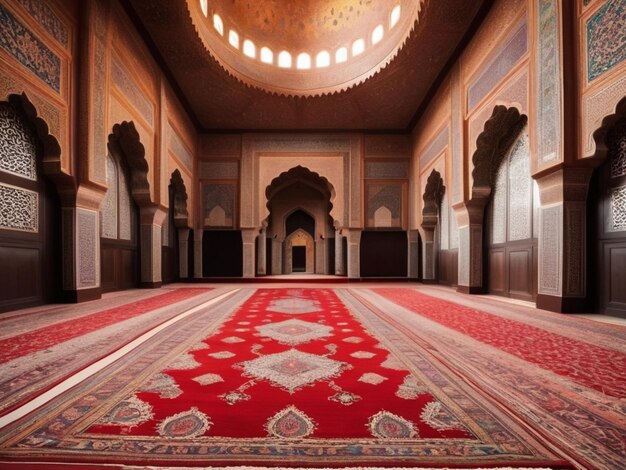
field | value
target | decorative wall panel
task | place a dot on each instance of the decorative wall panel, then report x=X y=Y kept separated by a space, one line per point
x=618 y=156
x=444 y=224
x=87 y=248
x=18 y=150
x=550 y=250
x=520 y=191
x=126 y=209
x=435 y=148
x=218 y=204
x=179 y=148
x=548 y=79
x=219 y=170
x=392 y=169
x=46 y=17
x=514 y=48
x=108 y=218
x=19 y=209
x=454 y=230
x=98 y=78
x=29 y=50
x=606 y=38
x=574 y=248
x=497 y=220
x=381 y=195
x=618 y=209
x=396 y=145
x=457 y=136
x=131 y=90
x=597 y=106
x=464 y=256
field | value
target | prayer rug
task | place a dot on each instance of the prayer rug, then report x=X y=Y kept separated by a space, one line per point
x=566 y=381
x=277 y=377
x=37 y=359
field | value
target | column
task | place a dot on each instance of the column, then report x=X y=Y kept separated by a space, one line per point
x=249 y=239
x=354 y=253
x=183 y=253
x=340 y=269
x=151 y=219
x=262 y=251
x=320 y=256
x=277 y=255
x=470 y=268
x=197 y=253
x=413 y=261
x=562 y=240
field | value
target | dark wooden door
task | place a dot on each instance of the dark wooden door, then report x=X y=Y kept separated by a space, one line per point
x=30 y=250
x=384 y=253
x=298 y=259
x=608 y=198
x=511 y=227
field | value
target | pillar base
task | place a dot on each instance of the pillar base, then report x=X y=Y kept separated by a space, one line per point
x=558 y=304
x=81 y=295
x=473 y=290
x=150 y=284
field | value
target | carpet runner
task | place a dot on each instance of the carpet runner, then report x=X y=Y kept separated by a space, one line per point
x=67 y=346
x=289 y=376
x=595 y=367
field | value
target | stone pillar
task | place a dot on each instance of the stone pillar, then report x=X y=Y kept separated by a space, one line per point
x=320 y=256
x=183 y=253
x=413 y=261
x=151 y=219
x=249 y=238
x=262 y=251
x=429 y=257
x=340 y=269
x=197 y=253
x=277 y=256
x=562 y=240
x=80 y=226
x=470 y=269
x=354 y=253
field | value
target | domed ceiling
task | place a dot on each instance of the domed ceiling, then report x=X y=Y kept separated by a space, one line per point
x=298 y=65
x=304 y=48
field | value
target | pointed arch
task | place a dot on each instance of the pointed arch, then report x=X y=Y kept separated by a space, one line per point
x=432 y=199
x=600 y=134
x=125 y=141
x=181 y=214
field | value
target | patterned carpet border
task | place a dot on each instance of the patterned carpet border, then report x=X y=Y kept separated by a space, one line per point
x=58 y=431
x=29 y=375
x=590 y=427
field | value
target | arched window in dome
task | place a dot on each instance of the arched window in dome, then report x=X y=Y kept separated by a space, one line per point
x=267 y=56
x=322 y=59
x=284 y=60
x=304 y=61
x=395 y=16
x=377 y=34
x=249 y=49
x=233 y=39
x=358 y=47
x=205 y=7
x=218 y=24
x=341 y=55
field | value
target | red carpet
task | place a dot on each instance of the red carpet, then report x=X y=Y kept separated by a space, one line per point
x=289 y=377
x=43 y=338
x=595 y=367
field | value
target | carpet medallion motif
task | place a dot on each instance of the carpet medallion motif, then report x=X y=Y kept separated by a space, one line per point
x=321 y=389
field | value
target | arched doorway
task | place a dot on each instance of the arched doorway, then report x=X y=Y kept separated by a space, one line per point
x=511 y=225
x=607 y=199
x=30 y=246
x=299 y=226
x=119 y=232
x=177 y=218
x=432 y=197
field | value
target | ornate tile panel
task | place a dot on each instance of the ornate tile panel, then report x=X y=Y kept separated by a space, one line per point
x=108 y=224
x=18 y=150
x=29 y=50
x=435 y=148
x=219 y=170
x=46 y=17
x=131 y=90
x=520 y=191
x=618 y=209
x=606 y=38
x=219 y=205
x=87 y=247
x=19 y=209
x=180 y=149
x=513 y=50
x=618 y=155
x=377 y=169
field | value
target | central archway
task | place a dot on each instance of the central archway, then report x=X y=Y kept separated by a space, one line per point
x=299 y=205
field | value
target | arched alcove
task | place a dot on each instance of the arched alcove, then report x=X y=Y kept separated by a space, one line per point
x=606 y=204
x=30 y=214
x=299 y=199
x=177 y=218
x=433 y=193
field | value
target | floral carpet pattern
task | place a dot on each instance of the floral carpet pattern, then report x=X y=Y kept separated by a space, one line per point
x=275 y=376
